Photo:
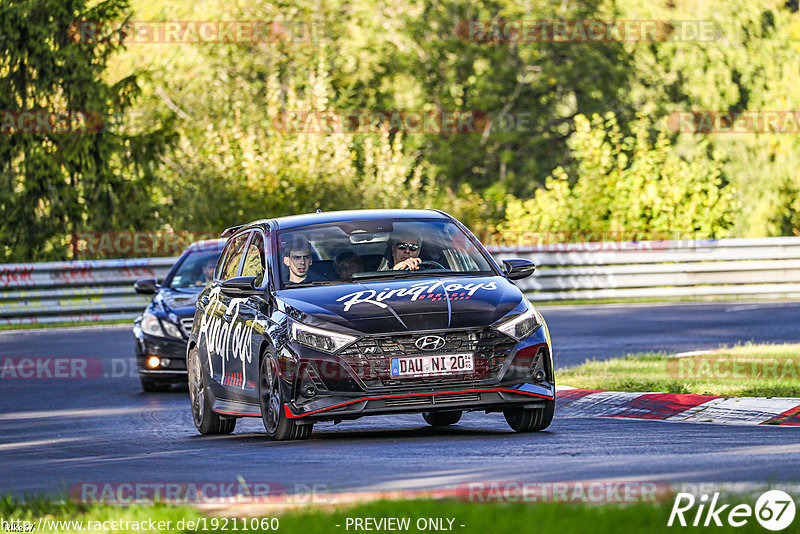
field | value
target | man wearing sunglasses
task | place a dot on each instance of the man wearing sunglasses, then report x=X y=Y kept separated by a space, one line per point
x=405 y=251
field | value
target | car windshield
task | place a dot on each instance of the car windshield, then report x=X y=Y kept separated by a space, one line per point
x=196 y=270
x=351 y=251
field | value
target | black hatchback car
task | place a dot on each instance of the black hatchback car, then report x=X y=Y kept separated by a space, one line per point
x=335 y=316
x=162 y=331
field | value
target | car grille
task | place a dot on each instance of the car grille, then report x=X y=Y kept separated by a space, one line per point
x=186 y=325
x=370 y=357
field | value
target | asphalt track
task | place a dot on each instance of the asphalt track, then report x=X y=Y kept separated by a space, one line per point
x=55 y=433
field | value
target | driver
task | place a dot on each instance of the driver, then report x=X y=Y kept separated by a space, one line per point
x=207 y=274
x=405 y=249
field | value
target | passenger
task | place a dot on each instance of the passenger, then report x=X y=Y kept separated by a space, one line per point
x=403 y=253
x=297 y=257
x=346 y=264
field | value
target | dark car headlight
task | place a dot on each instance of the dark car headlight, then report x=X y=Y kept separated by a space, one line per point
x=320 y=339
x=521 y=326
x=153 y=326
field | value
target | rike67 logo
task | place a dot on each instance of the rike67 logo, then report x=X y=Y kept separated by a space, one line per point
x=774 y=510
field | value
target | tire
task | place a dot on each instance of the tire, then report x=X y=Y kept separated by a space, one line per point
x=442 y=418
x=270 y=396
x=530 y=419
x=200 y=396
x=149 y=386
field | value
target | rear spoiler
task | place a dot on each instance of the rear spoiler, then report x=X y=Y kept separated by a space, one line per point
x=229 y=231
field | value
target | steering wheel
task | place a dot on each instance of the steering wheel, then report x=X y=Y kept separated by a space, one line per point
x=430 y=264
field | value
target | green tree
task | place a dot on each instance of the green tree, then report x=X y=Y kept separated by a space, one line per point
x=625 y=187
x=57 y=183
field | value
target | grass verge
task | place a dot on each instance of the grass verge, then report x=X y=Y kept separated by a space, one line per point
x=450 y=515
x=742 y=371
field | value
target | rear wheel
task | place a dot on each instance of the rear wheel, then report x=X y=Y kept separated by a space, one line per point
x=205 y=419
x=442 y=418
x=278 y=426
x=531 y=419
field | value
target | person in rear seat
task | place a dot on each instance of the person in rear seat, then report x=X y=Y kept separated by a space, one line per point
x=346 y=264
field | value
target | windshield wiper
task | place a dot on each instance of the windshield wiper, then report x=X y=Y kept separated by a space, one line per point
x=314 y=283
x=404 y=273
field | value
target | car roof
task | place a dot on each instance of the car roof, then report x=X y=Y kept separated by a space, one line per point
x=206 y=244
x=297 y=221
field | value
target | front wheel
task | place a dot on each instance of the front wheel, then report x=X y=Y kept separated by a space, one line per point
x=531 y=419
x=442 y=418
x=278 y=426
x=205 y=419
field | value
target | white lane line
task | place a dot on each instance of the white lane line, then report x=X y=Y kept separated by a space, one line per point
x=58 y=414
x=35 y=443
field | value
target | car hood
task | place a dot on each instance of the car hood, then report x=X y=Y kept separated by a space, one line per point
x=389 y=306
x=178 y=301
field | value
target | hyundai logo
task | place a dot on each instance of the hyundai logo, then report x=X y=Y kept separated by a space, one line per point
x=430 y=343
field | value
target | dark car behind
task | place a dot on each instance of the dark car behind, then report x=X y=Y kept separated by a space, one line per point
x=162 y=331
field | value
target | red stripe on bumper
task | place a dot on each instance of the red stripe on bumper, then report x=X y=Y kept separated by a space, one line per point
x=291 y=415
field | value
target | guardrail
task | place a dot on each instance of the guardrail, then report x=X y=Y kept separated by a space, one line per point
x=760 y=268
x=75 y=291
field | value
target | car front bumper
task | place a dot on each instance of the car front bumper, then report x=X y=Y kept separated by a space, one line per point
x=484 y=399
x=165 y=348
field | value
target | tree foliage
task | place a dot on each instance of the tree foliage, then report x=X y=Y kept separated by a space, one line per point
x=56 y=182
x=588 y=149
x=625 y=187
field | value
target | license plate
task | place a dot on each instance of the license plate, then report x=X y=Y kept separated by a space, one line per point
x=441 y=364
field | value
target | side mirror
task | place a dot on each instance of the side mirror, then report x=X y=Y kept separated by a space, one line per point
x=518 y=269
x=148 y=286
x=241 y=286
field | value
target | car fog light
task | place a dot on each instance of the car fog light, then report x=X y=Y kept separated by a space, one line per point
x=164 y=362
x=153 y=362
x=309 y=391
x=539 y=375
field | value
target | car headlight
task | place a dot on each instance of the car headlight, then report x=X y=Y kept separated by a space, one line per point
x=171 y=329
x=317 y=338
x=523 y=324
x=152 y=326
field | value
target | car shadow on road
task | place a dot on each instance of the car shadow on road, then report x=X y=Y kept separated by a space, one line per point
x=332 y=435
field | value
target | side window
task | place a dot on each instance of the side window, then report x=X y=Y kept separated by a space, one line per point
x=254 y=260
x=233 y=256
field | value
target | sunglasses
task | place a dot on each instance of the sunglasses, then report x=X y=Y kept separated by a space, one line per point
x=407 y=246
